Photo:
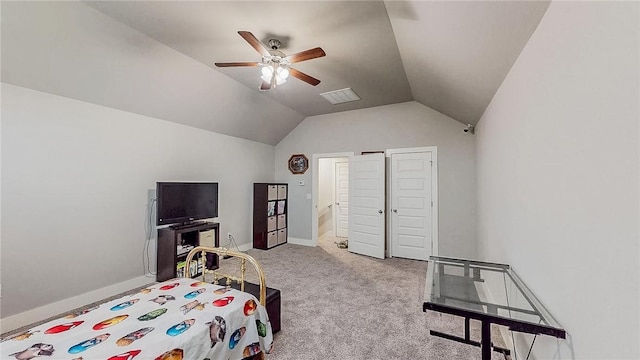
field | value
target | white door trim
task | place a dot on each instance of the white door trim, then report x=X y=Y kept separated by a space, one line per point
x=314 y=190
x=434 y=192
x=336 y=198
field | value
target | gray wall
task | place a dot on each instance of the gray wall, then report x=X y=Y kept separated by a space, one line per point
x=70 y=49
x=75 y=184
x=558 y=184
x=388 y=127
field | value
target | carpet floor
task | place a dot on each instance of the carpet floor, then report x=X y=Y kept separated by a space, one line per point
x=339 y=305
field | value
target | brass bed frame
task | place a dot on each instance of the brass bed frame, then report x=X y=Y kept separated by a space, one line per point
x=217 y=275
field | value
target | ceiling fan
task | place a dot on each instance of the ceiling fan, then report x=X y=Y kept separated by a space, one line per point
x=275 y=64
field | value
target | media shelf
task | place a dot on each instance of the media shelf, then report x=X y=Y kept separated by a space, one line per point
x=269 y=215
x=175 y=242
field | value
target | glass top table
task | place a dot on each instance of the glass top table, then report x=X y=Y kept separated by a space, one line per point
x=489 y=292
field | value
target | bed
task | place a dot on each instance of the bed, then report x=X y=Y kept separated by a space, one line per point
x=181 y=318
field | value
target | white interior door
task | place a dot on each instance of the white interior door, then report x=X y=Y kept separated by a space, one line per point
x=411 y=205
x=342 y=199
x=366 y=205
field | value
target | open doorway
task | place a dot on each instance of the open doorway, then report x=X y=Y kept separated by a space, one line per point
x=333 y=197
x=330 y=189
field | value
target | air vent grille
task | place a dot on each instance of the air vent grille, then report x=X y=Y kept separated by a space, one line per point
x=340 y=96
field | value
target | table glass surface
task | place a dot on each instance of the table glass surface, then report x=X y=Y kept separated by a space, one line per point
x=484 y=288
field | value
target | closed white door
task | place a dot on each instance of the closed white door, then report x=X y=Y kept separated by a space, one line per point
x=342 y=199
x=366 y=205
x=411 y=205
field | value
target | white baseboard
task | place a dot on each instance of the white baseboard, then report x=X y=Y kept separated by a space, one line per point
x=296 y=241
x=44 y=312
x=504 y=332
x=506 y=337
x=245 y=247
x=241 y=247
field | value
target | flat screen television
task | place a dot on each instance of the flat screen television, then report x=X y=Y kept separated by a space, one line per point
x=185 y=202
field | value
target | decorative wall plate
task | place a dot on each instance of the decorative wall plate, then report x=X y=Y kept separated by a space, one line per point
x=298 y=164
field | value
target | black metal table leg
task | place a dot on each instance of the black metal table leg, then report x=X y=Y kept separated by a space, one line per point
x=486 y=340
x=467 y=329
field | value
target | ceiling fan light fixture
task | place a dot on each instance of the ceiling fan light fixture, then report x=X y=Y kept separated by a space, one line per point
x=280 y=81
x=267 y=72
x=275 y=64
x=281 y=73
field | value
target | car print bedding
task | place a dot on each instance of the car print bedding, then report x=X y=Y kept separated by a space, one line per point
x=177 y=319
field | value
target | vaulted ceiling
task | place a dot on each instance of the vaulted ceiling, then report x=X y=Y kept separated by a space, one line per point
x=449 y=55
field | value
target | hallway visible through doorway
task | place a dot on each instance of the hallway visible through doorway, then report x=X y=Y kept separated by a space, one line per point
x=329 y=215
x=333 y=197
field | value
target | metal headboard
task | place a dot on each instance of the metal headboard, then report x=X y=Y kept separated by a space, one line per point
x=204 y=250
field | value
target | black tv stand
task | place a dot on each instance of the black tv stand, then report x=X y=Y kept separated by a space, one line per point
x=184 y=236
x=187 y=225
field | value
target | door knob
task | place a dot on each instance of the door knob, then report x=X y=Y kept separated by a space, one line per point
x=395 y=210
x=379 y=211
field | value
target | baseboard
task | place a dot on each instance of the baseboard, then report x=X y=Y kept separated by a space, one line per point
x=290 y=240
x=44 y=312
x=296 y=241
x=245 y=247
x=506 y=337
x=237 y=247
x=504 y=332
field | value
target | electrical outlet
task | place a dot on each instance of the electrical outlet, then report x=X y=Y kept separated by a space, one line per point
x=229 y=236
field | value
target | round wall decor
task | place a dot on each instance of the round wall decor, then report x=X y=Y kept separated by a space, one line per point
x=298 y=164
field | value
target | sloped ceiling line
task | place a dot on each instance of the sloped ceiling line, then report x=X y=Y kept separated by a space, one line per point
x=138 y=56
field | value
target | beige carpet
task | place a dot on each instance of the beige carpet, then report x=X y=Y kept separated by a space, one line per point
x=338 y=305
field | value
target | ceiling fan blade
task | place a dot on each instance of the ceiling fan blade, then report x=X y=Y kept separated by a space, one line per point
x=304 y=77
x=244 y=63
x=265 y=86
x=254 y=42
x=306 y=55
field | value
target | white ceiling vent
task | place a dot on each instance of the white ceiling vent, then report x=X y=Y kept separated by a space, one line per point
x=340 y=96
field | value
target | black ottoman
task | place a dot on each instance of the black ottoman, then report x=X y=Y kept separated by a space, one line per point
x=272 y=305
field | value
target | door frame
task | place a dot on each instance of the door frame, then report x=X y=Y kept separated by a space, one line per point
x=314 y=189
x=434 y=192
x=335 y=193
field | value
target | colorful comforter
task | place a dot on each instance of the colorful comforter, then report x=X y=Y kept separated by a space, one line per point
x=177 y=319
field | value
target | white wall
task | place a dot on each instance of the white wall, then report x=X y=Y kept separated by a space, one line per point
x=558 y=177
x=70 y=49
x=389 y=127
x=75 y=185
